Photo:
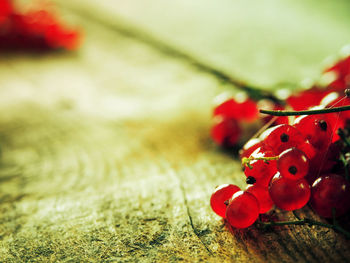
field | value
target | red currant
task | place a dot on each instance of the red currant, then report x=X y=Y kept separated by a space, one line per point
x=324 y=161
x=38 y=30
x=243 y=210
x=342 y=71
x=225 y=131
x=5 y=10
x=308 y=149
x=263 y=197
x=230 y=108
x=282 y=137
x=261 y=170
x=289 y=194
x=307 y=98
x=329 y=192
x=293 y=164
x=250 y=147
x=316 y=129
x=222 y=194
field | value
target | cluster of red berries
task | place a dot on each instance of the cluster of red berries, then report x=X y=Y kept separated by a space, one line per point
x=293 y=163
x=232 y=114
x=35 y=29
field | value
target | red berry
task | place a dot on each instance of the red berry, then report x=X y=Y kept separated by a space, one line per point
x=263 y=197
x=308 y=149
x=289 y=194
x=341 y=72
x=316 y=129
x=324 y=161
x=328 y=192
x=250 y=147
x=221 y=194
x=293 y=164
x=243 y=210
x=5 y=10
x=225 y=131
x=337 y=120
x=282 y=137
x=230 y=108
x=261 y=170
x=307 y=98
x=36 y=29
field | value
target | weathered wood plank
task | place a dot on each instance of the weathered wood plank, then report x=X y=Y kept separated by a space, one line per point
x=107 y=157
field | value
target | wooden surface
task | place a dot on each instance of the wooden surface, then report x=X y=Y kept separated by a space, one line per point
x=106 y=154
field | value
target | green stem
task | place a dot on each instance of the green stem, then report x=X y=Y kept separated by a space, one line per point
x=246 y=160
x=305 y=112
x=167 y=48
x=309 y=222
x=296 y=215
x=343 y=137
x=343 y=160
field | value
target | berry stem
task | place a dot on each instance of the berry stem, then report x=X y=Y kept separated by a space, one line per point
x=170 y=50
x=306 y=221
x=296 y=215
x=342 y=136
x=345 y=163
x=246 y=160
x=304 y=112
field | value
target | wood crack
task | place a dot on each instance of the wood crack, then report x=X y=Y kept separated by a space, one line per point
x=195 y=231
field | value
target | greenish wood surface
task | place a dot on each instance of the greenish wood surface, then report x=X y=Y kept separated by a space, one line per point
x=106 y=154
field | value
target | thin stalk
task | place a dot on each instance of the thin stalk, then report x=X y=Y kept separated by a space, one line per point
x=305 y=112
x=343 y=137
x=246 y=160
x=343 y=160
x=309 y=222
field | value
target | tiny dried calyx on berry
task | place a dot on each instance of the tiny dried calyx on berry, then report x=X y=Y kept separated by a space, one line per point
x=250 y=180
x=292 y=169
x=323 y=125
x=284 y=137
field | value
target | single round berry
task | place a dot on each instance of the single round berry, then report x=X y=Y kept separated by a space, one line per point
x=316 y=129
x=307 y=148
x=240 y=110
x=293 y=164
x=243 y=210
x=221 y=194
x=263 y=197
x=261 y=170
x=329 y=192
x=307 y=98
x=341 y=71
x=289 y=194
x=324 y=161
x=282 y=137
x=225 y=131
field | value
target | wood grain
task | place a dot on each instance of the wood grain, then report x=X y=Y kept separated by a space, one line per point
x=106 y=157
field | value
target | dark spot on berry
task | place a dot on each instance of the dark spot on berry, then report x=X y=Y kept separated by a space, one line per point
x=250 y=180
x=323 y=125
x=226 y=202
x=284 y=137
x=292 y=169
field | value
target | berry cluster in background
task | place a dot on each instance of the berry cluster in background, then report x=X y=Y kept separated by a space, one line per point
x=293 y=161
x=37 y=29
